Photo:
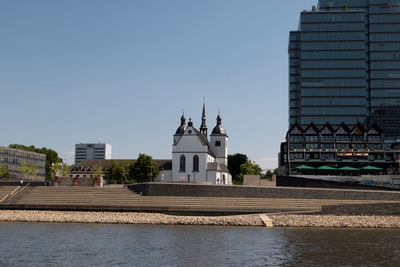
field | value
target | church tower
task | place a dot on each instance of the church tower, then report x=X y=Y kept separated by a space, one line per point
x=181 y=129
x=203 y=127
x=219 y=142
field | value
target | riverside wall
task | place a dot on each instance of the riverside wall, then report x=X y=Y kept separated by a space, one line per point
x=192 y=190
x=376 y=209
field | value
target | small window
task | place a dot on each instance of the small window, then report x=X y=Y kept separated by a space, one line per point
x=217 y=143
x=195 y=163
x=182 y=164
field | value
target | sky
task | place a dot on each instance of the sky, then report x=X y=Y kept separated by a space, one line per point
x=122 y=71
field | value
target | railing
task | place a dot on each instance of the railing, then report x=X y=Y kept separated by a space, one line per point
x=18 y=192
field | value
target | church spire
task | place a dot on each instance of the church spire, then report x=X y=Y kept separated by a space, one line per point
x=183 y=119
x=203 y=127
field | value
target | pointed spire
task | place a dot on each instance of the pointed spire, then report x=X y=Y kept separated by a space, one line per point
x=219 y=119
x=183 y=119
x=203 y=127
x=203 y=115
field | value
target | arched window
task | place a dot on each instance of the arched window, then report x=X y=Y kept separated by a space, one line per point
x=182 y=164
x=217 y=143
x=195 y=163
x=223 y=179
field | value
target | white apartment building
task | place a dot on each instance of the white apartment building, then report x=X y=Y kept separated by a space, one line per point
x=92 y=151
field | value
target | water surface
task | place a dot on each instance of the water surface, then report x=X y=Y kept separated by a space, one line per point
x=44 y=244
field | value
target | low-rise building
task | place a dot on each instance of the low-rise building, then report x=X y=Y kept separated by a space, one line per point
x=16 y=159
x=85 y=169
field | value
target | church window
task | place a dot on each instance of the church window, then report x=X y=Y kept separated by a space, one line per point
x=182 y=164
x=217 y=143
x=195 y=163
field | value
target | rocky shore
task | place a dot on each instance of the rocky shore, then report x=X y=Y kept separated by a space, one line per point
x=328 y=221
x=125 y=218
x=333 y=221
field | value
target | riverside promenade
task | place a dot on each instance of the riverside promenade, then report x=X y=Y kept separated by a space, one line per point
x=205 y=200
x=268 y=207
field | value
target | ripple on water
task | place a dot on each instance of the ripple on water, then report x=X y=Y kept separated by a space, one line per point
x=30 y=244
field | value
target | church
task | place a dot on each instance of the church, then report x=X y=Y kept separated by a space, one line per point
x=195 y=158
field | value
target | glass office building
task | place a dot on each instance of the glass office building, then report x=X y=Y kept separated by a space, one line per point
x=15 y=159
x=345 y=65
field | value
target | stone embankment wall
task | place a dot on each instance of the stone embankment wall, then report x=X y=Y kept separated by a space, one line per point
x=364 y=209
x=189 y=190
x=348 y=182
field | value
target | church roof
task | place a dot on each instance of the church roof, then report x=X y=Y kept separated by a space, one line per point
x=219 y=130
x=181 y=129
x=215 y=166
x=204 y=141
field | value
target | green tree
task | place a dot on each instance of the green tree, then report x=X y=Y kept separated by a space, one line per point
x=144 y=169
x=234 y=162
x=248 y=168
x=117 y=171
x=98 y=170
x=54 y=170
x=268 y=174
x=4 y=173
x=51 y=156
x=28 y=170
x=65 y=169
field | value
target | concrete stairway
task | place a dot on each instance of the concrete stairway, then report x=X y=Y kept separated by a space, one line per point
x=5 y=191
x=76 y=196
x=121 y=199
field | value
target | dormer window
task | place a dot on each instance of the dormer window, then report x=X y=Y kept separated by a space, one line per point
x=217 y=143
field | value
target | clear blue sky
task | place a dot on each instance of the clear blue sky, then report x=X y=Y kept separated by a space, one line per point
x=74 y=71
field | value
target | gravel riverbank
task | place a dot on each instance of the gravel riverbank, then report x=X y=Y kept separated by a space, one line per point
x=332 y=221
x=125 y=218
x=328 y=221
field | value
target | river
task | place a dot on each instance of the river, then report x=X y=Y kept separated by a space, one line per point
x=45 y=244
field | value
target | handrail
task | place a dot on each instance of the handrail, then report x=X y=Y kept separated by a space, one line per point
x=19 y=191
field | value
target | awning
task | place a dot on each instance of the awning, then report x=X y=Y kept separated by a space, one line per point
x=326 y=168
x=304 y=167
x=347 y=168
x=371 y=168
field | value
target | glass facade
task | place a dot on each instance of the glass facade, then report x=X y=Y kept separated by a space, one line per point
x=351 y=49
x=15 y=159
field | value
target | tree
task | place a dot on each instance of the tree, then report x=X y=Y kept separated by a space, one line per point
x=98 y=170
x=248 y=168
x=144 y=169
x=234 y=162
x=28 y=170
x=4 y=173
x=51 y=156
x=54 y=170
x=65 y=169
x=269 y=174
x=117 y=171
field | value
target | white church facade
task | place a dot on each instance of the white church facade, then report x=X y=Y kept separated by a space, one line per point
x=195 y=158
